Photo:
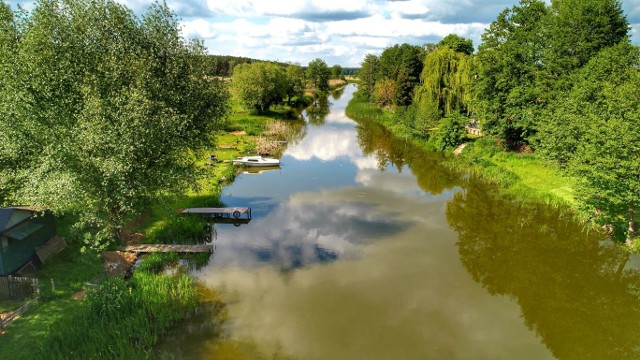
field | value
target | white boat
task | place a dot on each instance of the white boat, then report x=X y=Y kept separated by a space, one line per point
x=256 y=161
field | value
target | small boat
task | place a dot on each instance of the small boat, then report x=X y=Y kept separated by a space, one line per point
x=256 y=161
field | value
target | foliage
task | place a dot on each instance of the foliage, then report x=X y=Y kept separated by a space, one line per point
x=257 y=86
x=318 y=74
x=101 y=109
x=585 y=103
x=457 y=43
x=577 y=30
x=223 y=65
x=451 y=131
x=336 y=72
x=446 y=83
x=403 y=65
x=508 y=66
x=295 y=82
x=367 y=74
x=144 y=309
x=384 y=92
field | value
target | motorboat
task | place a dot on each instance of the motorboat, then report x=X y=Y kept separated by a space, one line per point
x=256 y=161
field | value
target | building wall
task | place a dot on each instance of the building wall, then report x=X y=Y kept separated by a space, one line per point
x=19 y=252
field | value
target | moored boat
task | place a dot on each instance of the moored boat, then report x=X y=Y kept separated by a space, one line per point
x=256 y=161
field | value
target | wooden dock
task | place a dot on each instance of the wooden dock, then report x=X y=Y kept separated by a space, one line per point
x=227 y=212
x=167 y=248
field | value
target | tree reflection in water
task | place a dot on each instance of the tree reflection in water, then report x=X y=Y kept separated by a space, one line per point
x=571 y=286
x=318 y=111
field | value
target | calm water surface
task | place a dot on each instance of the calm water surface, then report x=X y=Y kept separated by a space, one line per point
x=364 y=247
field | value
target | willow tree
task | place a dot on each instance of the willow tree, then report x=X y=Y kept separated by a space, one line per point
x=445 y=82
x=100 y=111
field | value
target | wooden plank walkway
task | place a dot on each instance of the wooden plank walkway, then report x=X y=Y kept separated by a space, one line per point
x=235 y=212
x=166 y=248
x=52 y=247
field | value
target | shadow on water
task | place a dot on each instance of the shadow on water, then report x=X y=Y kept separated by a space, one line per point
x=572 y=287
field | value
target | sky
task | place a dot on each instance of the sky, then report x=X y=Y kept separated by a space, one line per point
x=338 y=31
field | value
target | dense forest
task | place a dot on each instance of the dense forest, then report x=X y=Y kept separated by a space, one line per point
x=561 y=80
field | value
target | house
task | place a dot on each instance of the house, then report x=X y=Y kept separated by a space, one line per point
x=473 y=128
x=22 y=229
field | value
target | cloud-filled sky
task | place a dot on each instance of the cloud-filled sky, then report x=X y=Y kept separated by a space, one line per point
x=338 y=31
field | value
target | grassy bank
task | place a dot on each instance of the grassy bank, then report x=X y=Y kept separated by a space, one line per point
x=90 y=315
x=523 y=175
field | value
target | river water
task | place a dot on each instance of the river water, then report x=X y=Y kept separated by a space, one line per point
x=365 y=247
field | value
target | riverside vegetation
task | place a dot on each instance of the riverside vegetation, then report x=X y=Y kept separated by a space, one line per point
x=92 y=152
x=560 y=81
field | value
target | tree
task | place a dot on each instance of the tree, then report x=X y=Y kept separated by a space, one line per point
x=367 y=74
x=295 y=82
x=259 y=85
x=599 y=127
x=508 y=66
x=446 y=82
x=101 y=111
x=336 y=72
x=451 y=131
x=578 y=109
x=384 y=92
x=457 y=43
x=578 y=30
x=402 y=64
x=318 y=74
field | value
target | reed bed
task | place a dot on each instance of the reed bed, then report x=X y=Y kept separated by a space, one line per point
x=275 y=136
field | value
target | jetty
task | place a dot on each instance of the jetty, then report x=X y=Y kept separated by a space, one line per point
x=227 y=212
x=167 y=248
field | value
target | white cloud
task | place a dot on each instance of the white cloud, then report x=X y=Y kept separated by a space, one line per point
x=338 y=31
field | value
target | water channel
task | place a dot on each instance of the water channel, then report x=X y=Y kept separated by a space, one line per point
x=365 y=247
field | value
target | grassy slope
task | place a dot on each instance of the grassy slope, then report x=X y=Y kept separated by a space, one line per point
x=72 y=270
x=521 y=175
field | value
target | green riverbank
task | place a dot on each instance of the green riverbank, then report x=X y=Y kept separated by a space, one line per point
x=523 y=175
x=87 y=313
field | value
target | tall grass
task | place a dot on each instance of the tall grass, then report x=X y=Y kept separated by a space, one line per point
x=526 y=176
x=119 y=319
x=359 y=108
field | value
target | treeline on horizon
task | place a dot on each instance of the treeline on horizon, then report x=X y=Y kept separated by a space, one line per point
x=561 y=80
x=223 y=65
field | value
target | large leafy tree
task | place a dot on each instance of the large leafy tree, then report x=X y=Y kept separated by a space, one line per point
x=577 y=31
x=100 y=110
x=596 y=130
x=318 y=74
x=457 y=43
x=259 y=85
x=402 y=64
x=336 y=72
x=508 y=67
x=295 y=82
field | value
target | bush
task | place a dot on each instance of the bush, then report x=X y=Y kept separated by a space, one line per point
x=451 y=131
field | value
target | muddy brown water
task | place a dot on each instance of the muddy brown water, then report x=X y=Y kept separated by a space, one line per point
x=364 y=247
